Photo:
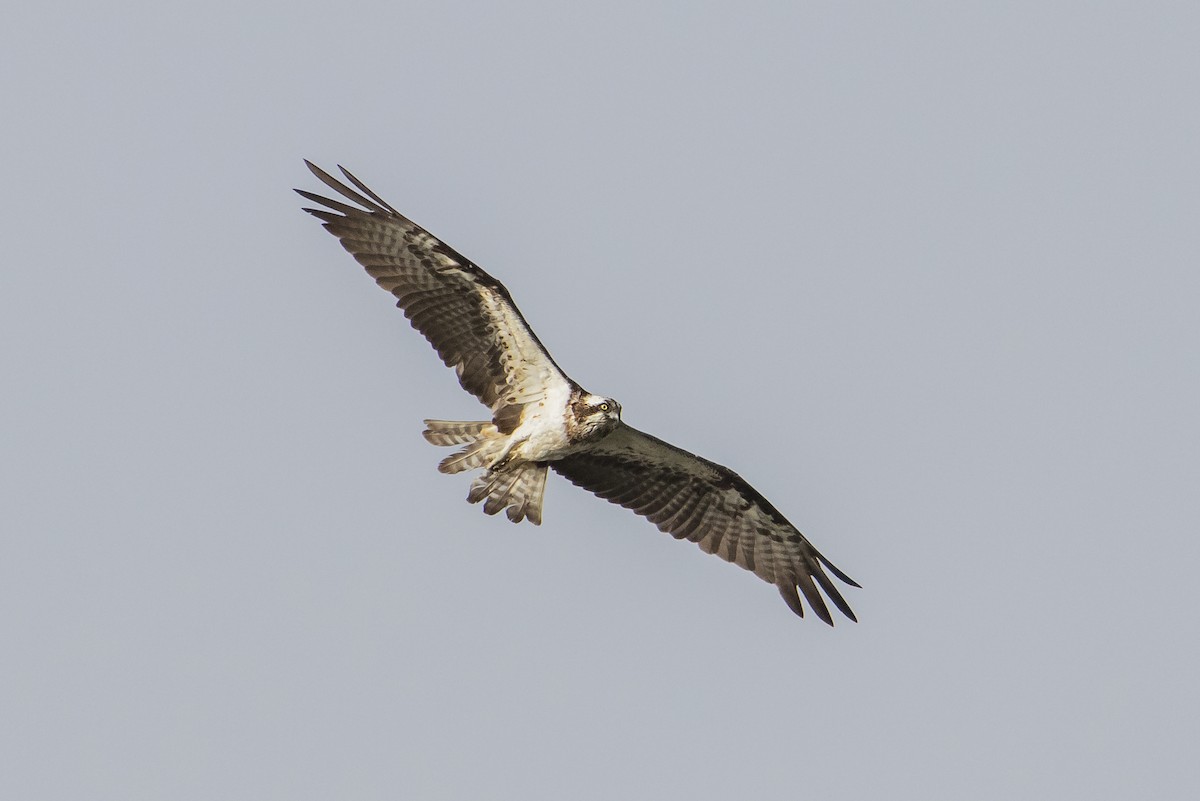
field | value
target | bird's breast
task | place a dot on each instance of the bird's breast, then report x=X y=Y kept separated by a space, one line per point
x=543 y=434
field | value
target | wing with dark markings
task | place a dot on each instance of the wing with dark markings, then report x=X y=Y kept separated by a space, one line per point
x=695 y=499
x=467 y=315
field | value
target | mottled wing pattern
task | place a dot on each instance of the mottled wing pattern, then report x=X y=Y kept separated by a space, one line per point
x=692 y=498
x=467 y=315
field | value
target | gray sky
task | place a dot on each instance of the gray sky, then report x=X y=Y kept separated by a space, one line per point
x=926 y=275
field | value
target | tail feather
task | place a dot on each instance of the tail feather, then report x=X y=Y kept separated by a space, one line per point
x=519 y=488
x=531 y=488
x=484 y=443
x=454 y=432
x=477 y=454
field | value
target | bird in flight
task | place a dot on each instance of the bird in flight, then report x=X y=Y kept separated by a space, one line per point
x=541 y=419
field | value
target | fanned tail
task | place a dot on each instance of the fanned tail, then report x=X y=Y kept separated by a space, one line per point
x=518 y=487
x=485 y=444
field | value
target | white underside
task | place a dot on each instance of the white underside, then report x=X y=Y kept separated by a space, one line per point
x=542 y=435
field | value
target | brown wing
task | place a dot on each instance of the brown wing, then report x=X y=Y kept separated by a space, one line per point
x=692 y=498
x=467 y=315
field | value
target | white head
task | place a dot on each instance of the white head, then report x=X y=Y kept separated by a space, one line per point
x=594 y=416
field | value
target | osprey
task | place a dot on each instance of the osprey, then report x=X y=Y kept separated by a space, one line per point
x=542 y=419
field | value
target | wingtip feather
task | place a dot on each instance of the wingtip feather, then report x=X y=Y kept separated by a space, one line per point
x=832 y=592
x=833 y=569
x=371 y=204
x=367 y=190
x=792 y=598
x=811 y=594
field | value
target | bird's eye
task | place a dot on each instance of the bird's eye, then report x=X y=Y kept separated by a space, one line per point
x=604 y=407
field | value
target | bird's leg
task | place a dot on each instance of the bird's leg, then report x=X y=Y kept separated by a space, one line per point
x=505 y=456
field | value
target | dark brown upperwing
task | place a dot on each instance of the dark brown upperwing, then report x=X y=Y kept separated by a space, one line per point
x=692 y=498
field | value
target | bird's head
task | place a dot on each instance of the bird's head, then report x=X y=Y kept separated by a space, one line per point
x=596 y=415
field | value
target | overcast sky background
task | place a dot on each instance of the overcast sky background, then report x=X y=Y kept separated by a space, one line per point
x=925 y=274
